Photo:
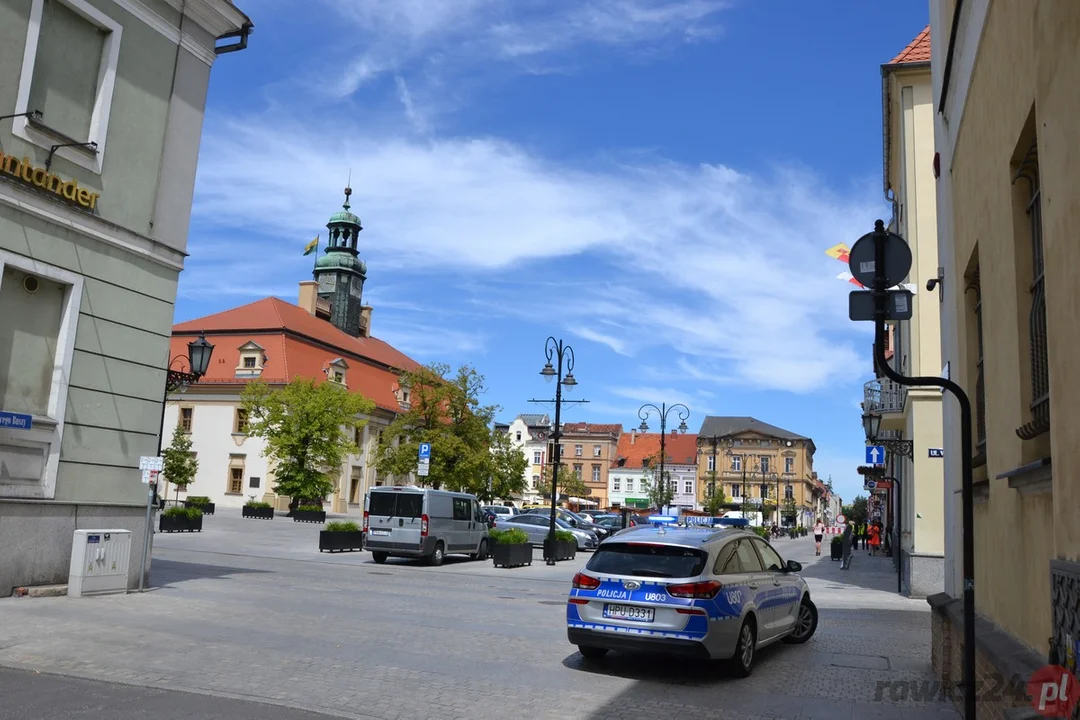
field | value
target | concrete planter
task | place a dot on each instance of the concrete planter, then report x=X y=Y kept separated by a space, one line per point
x=563 y=550
x=334 y=541
x=309 y=516
x=257 y=513
x=836 y=551
x=508 y=556
x=180 y=523
x=207 y=509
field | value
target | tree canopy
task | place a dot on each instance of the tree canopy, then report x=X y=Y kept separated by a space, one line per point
x=856 y=512
x=715 y=498
x=661 y=493
x=466 y=452
x=178 y=464
x=308 y=428
x=569 y=483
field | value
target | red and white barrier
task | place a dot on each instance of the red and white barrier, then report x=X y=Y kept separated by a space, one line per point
x=834 y=530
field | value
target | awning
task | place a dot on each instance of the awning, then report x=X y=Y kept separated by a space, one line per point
x=582 y=501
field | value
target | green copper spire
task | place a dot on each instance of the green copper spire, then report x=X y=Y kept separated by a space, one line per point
x=340 y=271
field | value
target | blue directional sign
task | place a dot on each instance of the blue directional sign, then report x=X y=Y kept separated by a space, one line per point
x=425 y=451
x=16 y=421
x=875 y=455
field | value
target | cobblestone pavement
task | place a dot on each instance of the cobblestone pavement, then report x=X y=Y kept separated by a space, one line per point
x=249 y=609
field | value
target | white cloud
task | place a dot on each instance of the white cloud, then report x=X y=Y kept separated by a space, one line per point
x=616 y=344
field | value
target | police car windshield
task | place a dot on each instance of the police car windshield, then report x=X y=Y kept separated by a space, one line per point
x=668 y=561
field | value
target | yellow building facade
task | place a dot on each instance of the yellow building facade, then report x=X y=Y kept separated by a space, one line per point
x=1008 y=212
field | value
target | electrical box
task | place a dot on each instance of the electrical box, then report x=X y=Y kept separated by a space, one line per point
x=99 y=562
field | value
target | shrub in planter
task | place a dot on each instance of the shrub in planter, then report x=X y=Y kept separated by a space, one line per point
x=181 y=519
x=565 y=546
x=510 y=548
x=258 y=510
x=836 y=548
x=202 y=502
x=309 y=513
x=341 y=536
x=761 y=532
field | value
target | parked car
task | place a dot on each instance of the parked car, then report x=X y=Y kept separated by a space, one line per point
x=424 y=523
x=537 y=528
x=574 y=520
x=702 y=592
x=500 y=510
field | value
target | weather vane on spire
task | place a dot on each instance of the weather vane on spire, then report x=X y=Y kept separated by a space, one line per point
x=348 y=190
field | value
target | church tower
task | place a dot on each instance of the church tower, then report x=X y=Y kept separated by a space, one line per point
x=341 y=273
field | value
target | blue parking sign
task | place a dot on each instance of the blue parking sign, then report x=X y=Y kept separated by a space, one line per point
x=425 y=451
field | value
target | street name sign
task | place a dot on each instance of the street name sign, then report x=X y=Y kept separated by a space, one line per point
x=875 y=455
x=937 y=452
x=861 y=305
x=863 y=258
x=17 y=421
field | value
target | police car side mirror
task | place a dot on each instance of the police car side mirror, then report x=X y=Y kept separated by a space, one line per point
x=793 y=566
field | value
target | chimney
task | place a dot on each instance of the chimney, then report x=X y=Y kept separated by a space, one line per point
x=365 y=321
x=633 y=436
x=309 y=293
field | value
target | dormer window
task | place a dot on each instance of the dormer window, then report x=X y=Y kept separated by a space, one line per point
x=401 y=392
x=252 y=360
x=335 y=371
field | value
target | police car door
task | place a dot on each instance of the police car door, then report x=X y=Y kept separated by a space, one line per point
x=784 y=589
x=739 y=569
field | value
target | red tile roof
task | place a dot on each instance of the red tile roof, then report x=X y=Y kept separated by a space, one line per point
x=918 y=50
x=635 y=447
x=296 y=344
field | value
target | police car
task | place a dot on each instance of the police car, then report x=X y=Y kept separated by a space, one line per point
x=698 y=591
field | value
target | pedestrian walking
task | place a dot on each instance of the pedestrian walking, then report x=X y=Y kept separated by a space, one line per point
x=848 y=539
x=819 y=533
x=875 y=538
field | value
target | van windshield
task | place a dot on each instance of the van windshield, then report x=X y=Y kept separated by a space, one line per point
x=392 y=504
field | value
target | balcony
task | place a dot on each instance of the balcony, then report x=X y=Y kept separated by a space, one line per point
x=887 y=398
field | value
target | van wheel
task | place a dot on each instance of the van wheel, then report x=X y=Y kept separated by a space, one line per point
x=741 y=663
x=483 y=554
x=437 y=555
x=379 y=557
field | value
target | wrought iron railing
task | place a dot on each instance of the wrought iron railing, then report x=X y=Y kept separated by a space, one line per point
x=884 y=396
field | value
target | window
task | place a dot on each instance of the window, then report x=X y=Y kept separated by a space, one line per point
x=662 y=561
x=597 y=450
x=240 y=424
x=734 y=491
x=1039 y=399
x=358 y=438
x=538 y=457
x=577 y=470
x=789 y=492
x=772 y=560
x=518 y=436
x=254 y=482
x=187 y=414
x=562 y=450
x=462 y=509
x=339 y=377
x=764 y=491
x=789 y=465
x=629 y=485
x=250 y=361
x=736 y=463
x=674 y=485
x=688 y=487
x=578 y=451
x=596 y=473
x=236 y=480
x=739 y=559
x=974 y=286
x=712 y=463
x=405 y=400
x=535 y=481
x=763 y=462
x=615 y=485
x=72 y=88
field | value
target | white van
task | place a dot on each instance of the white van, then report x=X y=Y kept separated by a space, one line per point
x=423 y=523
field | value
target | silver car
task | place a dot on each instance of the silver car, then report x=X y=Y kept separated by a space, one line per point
x=537 y=527
x=707 y=593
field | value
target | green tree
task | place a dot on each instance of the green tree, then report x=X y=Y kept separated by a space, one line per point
x=508 y=469
x=714 y=494
x=569 y=483
x=660 y=491
x=444 y=411
x=768 y=511
x=178 y=464
x=308 y=428
x=790 y=508
x=856 y=512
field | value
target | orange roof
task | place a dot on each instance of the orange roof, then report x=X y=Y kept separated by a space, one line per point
x=634 y=447
x=296 y=344
x=584 y=428
x=275 y=314
x=917 y=51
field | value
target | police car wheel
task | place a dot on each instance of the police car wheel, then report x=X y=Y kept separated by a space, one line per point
x=591 y=653
x=805 y=623
x=437 y=555
x=742 y=662
x=379 y=557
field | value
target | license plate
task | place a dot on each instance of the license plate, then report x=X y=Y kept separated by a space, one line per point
x=380 y=532
x=629 y=612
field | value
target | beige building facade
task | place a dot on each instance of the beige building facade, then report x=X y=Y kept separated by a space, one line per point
x=1007 y=145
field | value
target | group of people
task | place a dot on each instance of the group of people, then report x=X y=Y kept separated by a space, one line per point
x=870 y=534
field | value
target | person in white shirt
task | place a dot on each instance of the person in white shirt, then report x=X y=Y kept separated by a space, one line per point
x=819 y=533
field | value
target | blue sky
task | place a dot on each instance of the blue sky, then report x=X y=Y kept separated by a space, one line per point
x=654 y=181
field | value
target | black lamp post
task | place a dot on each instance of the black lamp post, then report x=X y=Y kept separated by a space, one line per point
x=198 y=362
x=647 y=409
x=562 y=354
x=871 y=422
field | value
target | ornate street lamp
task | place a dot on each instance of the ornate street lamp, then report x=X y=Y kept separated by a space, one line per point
x=871 y=422
x=563 y=355
x=663 y=411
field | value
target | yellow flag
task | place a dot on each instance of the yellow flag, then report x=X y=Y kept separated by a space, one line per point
x=311 y=246
x=838 y=251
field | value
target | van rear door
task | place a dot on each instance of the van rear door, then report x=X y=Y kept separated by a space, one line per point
x=394 y=519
